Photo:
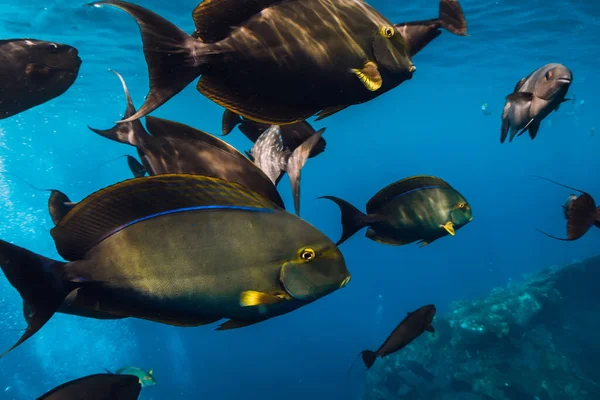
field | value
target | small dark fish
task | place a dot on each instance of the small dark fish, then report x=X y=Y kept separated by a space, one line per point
x=421 y=207
x=533 y=99
x=270 y=155
x=579 y=211
x=293 y=135
x=136 y=168
x=145 y=378
x=34 y=72
x=282 y=61
x=418 y=369
x=411 y=327
x=97 y=387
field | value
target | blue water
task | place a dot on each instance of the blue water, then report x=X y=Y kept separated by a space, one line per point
x=432 y=124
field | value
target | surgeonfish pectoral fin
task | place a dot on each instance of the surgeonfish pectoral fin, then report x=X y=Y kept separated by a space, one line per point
x=369 y=76
x=326 y=112
x=296 y=162
x=449 y=227
x=429 y=328
x=252 y=298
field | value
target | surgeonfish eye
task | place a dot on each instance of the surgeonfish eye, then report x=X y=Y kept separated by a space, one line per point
x=549 y=74
x=52 y=48
x=307 y=254
x=386 y=31
x=461 y=205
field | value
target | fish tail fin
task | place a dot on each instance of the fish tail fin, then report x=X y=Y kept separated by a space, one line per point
x=108 y=371
x=36 y=278
x=296 y=163
x=132 y=132
x=452 y=17
x=597 y=221
x=230 y=121
x=369 y=358
x=136 y=167
x=353 y=219
x=174 y=58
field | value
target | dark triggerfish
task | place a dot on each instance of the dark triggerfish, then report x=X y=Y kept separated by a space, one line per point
x=579 y=211
x=422 y=208
x=97 y=387
x=277 y=61
x=409 y=329
x=534 y=98
x=183 y=250
x=34 y=72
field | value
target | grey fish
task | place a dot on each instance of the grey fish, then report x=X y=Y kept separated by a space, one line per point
x=533 y=99
x=97 y=387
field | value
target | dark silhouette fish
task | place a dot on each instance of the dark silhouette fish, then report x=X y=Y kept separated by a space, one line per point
x=97 y=387
x=279 y=61
x=423 y=208
x=580 y=212
x=169 y=147
x=293 y=135
x=179 y=249
x=409 y=329
x=34 y=72
x=270 y=155
x=533 y=99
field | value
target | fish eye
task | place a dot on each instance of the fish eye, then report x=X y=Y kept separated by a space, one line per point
x=52 y=48
x=386 y=31
x=549 y=74
x=307 y=254
x=461 y=205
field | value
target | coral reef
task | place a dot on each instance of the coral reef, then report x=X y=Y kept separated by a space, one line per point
x=536 y=340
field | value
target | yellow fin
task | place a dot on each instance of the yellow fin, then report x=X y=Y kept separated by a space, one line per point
x=369 y=76
x=449 y=227
x=251 y=298
x=423 y=244
x=150 y=372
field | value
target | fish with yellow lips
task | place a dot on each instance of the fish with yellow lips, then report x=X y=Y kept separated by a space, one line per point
x=282 y=61
x=419 y=208
x=146 y=379
x=179 y=249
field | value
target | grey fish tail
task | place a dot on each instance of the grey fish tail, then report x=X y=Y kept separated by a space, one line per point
x=369 y=358
x=36 y=278
x=174 y=58
x=353 y=219
x=452 y=17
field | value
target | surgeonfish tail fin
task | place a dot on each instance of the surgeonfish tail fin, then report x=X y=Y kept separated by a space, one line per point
x=131 y=133
x=174 y=58
x=296 y=162
x=353 y=219
x=36 y=279
x=597 y=221
x=369 y=358
x=136 y=168
x=230 y=121
x=452 y=17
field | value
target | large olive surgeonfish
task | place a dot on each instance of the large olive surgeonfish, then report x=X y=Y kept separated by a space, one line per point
x=97 y=387
x=423 y=208
x=183 y=250
x=274 y=61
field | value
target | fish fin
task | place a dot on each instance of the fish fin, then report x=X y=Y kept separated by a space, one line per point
x=164 y=128
x=449 y=227
x=369 y=76
x=520 y=97
x=368 y=358
x=249 y=103
x=173 y=57
x=136 y=168
x=452 y=18
x=296 y=162
x=516 y=111
x=534 y=127
x=423 y=243
x=109 y=210
x=58 y=205
x=234 y=324
x=326 y=112
x=109 y=372
x=401 y=187
x=36 y=278
x=430 y=328
x=268 y=152
x=581 y=216
x=505 y=124
x=383 y=239
x=521 y=83
x=215 y=19
x=252 y=298
x=353 y=219
x=132 y=132
x=230 y=120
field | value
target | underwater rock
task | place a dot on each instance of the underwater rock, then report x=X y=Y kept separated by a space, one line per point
x=532 y=340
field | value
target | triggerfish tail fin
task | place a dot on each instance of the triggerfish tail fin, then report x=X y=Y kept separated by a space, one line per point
x=452 y=17
x=130 y=133
x=368 y=358
x=36 y=279
x=174 y=58
x=353 y=219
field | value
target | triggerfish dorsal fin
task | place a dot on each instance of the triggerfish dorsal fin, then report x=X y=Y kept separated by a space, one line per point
x=402 y=187
x=111 y=209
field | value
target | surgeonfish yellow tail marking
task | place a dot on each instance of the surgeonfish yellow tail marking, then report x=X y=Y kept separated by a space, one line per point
x=252 y=298
x=449 y=227
x=369 y=76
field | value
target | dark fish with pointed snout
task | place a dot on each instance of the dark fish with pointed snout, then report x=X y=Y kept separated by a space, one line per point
x=533 y=99
x=411 y=327
x=580 y=212
x=34 y=72
x=97 y=387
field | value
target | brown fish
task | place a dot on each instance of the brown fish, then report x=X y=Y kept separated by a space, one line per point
x=409 y=329
x=97 y=387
